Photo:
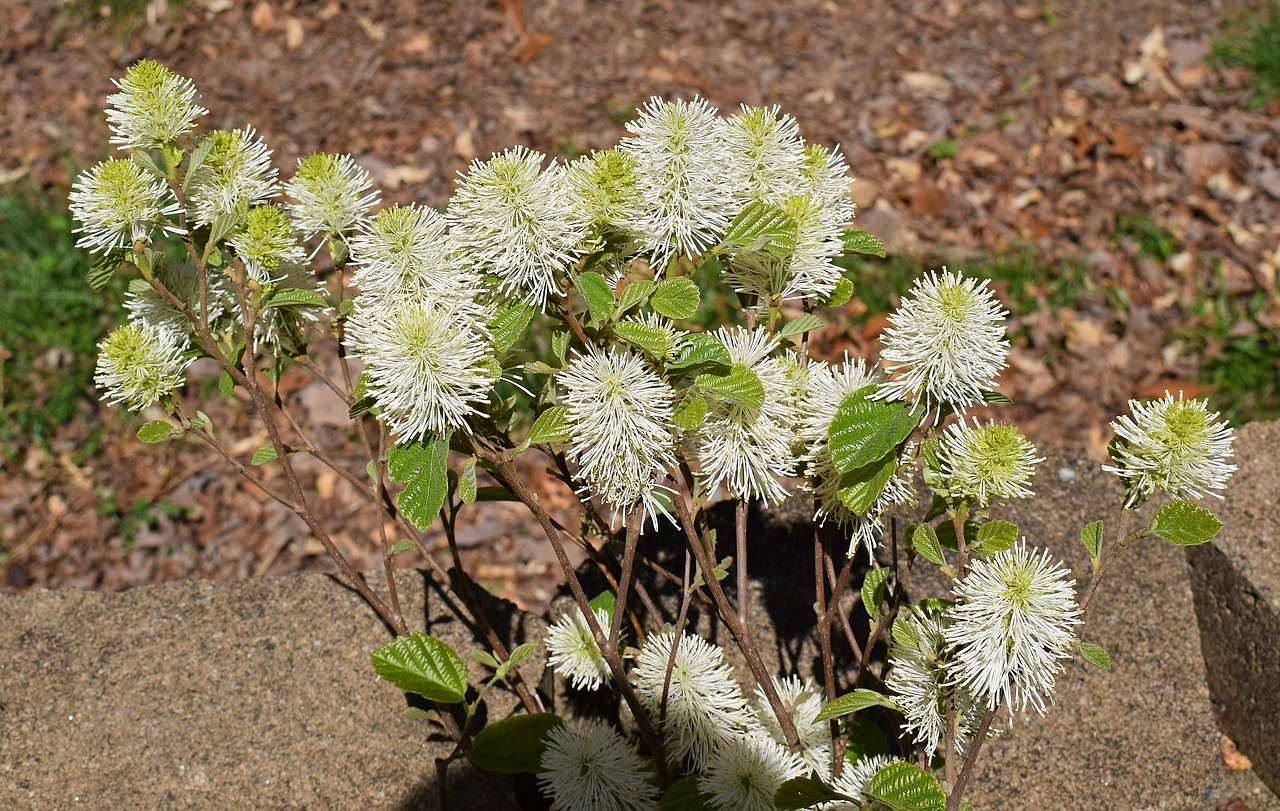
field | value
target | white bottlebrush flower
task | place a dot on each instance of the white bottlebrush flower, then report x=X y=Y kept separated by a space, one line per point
x=747 y=449
x=331 y=193
x=146 y=306
x=284 y=327
x=515 y=221
x=138 y=364
x=680 y=153
x=946 y=343
x=805 y=702
x=765 y=155
x=573 y=652
x=589 y=766
x=265 y=241
x=429 y=364
x=154 y=107
x=236 y=175
x=1174 y=445
x=118 y=203
x=744 y=773
x=827 y=179
x=854 y=780
x=605 y=188
x=918 y=682
x=705 y=706
x=620 y=422
x=986 y=461
x=404 y=251
x=1011 y=628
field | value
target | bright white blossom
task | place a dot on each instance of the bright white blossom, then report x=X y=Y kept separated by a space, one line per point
x=118 y=203
x=429 y=363
x=265 y=240
x=1011 y=628
x=147 y=306
x=619 y=418
x=946 y=343
x=805 y=702
x=918 y=682
x=405 y=252
x=686 y=203
x=589 y=766
x=517 y=222
x=573 y=652
x=765 y=155
x=138 y=364
x=855 y=779
x=745 y=772
x=154 y=107
x=605 y=187
x=235 y=175
x=1177 y=446
x=705 y=707
x=986 y=461
x=747 y=448
x=332 y=194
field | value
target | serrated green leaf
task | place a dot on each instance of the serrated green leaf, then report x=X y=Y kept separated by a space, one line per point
x=864 y=430
x=423 y=464
x=552 y=425
x=226 y=384
x=138 y=287
x=361 y=400
x=865 y=739
x=196 y=159
x=467 y=481
x=690 y=411
x=513 y=745
x=509 y=323
x=292 y=297
x=947 y=534
x=654 y=341
x=806 y=792
x=840 y=294
x=873 y=589
x=996 y=398
x=860 y=487
x=925 y=540
x=762 y=227
x=157 y=431
x=863 y=242
x=522 y=652
x=804 y=323
x=1095 y=655
x=597 y=293
x=144 y=159
x=485 y=658
x=423 y=665
x=701 y=349
x=636 y=292
x=560 y=344
x=684 y=795
x=101 y=271
x=1091 y=537
x=997 y=536
x=1185 y=524
x=741 y=386
x=906 y=787
x=675 y=298
x=853 y=702
x=606 y=600
x=263 y=455
x=400 y=547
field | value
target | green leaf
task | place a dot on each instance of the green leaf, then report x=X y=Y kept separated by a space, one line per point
x=997 y=536
x=400 y=547
x=509 y=323
x=1095 y=655
x=675 y=298
x=606 y=600
x=494 y=492
x=1185 y=524
x=552 y=425
x=1091 y=537
x=291 y=297
x=655 y=341
x=517 y=656
x=699 y=349
x=515 y=744
x=157 y=431
x=996 y=398
x=805 y=323
x=925 y=540
x=143 y=159
x=853 y=702
x=467 y=481
x=684 y=796
x=690 y=411
x=361 y=399
x=860 y=487
x=840 y=294
x=740 y=386
x=636 y=292
x=597 y=293
x=263 y=455
x=858 y=241
x=906 y=787
x=762 y=227
x=226 y=384
x=806 y=792
x=420 y=664
x=102 y=269
x=865 y=739
x=424 y=465
x=873 y=588
x=947 y=534
x=195 y=159
x=485 y=658
x=560 y=344
x=864 y=430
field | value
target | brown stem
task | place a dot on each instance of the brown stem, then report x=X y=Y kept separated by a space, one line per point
x=634 y=522
x=686 y=592
x=970 y=758
x=740 y=539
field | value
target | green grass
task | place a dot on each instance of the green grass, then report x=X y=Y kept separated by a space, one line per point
x=50 y=321
x=119 y=19
x=1152 y=240
x=942 y=150
x=1252 y=41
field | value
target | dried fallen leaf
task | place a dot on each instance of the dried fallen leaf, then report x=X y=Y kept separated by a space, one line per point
x=293 y=33
x=263 y=17
x=1233 y=758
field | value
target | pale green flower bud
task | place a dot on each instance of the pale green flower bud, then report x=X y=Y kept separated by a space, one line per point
x=154 y=107
x=138 y=364
x=264 y=240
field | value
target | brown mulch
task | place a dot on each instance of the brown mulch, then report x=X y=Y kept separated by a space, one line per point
x=1063 y=117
